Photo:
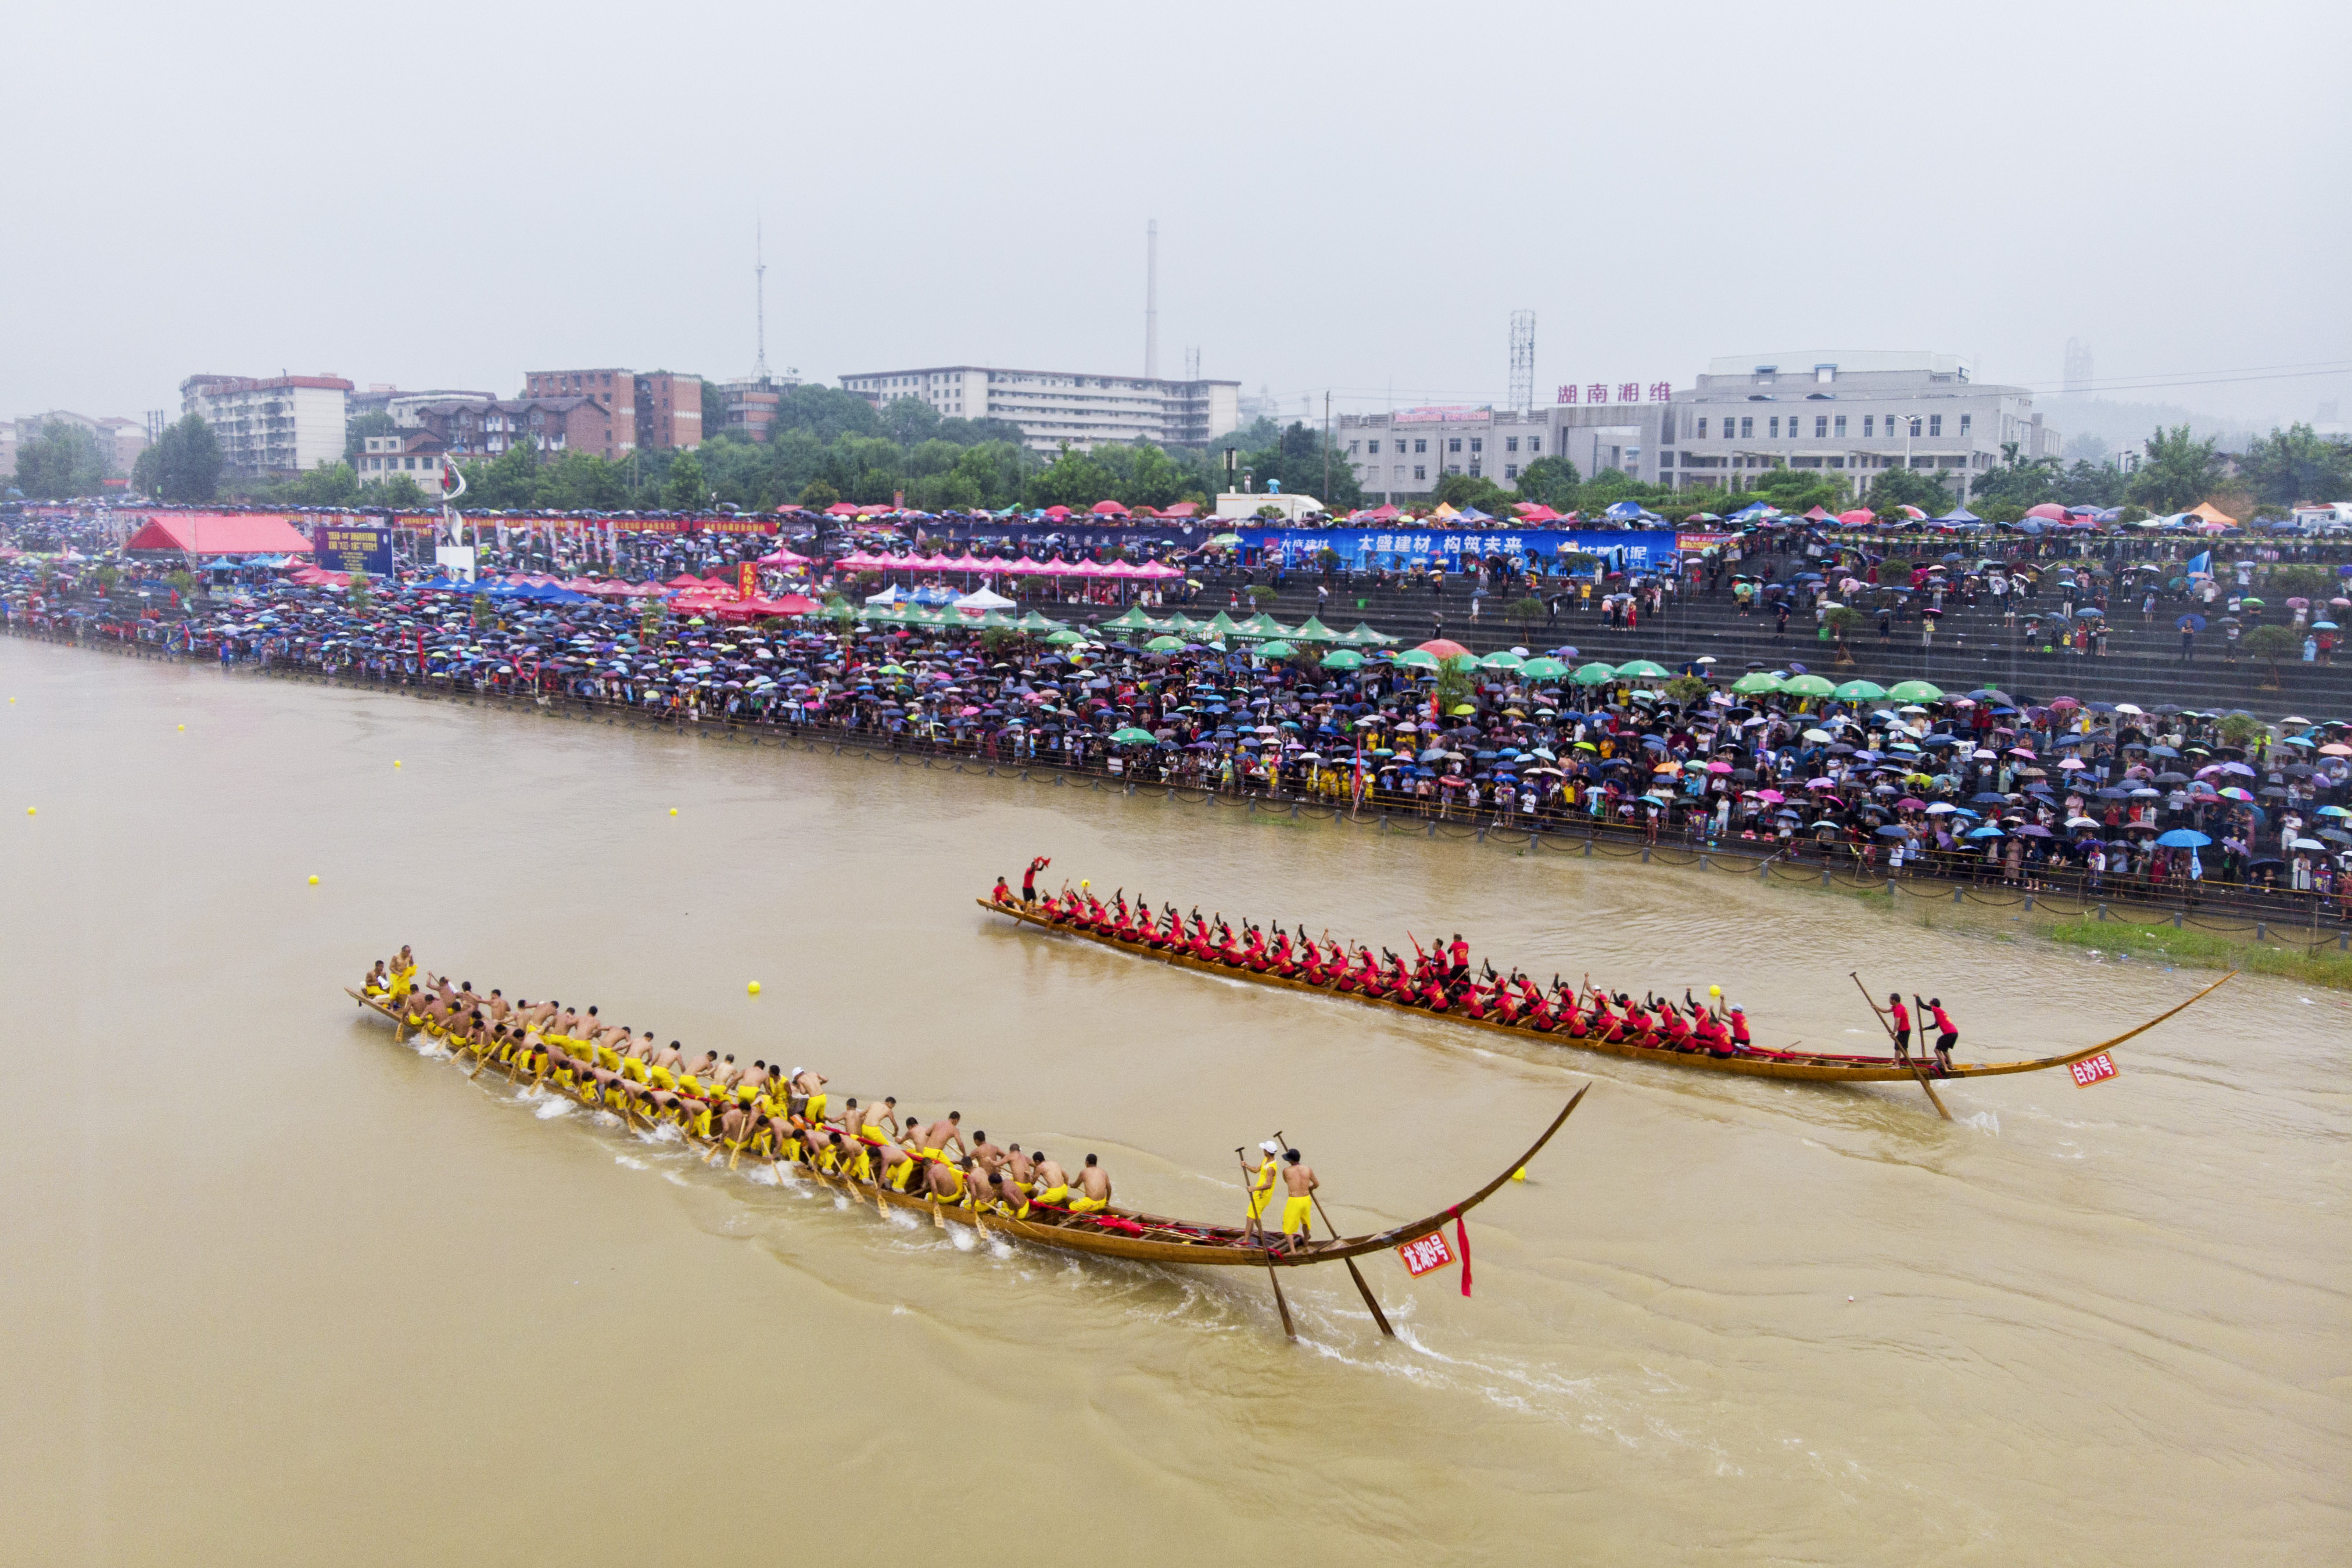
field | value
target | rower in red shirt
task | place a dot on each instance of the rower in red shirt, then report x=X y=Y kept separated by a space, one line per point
x=1902 y=1025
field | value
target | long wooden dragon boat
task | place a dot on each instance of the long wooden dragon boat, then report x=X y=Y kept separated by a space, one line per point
x=1820 y=1066
x=1131 y=1233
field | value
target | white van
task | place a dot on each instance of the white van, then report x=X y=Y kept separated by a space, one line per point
x=2325 y=517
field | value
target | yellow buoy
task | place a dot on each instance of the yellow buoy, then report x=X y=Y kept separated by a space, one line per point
x=314 y=882
x=184 y=726
x=1520 y=1174
x=395 y=762
x=673 y=810
x=754 y=987
x=30 y=810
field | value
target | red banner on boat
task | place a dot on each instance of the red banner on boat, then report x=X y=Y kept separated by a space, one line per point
x=1424 y=1254
x=2092 y=1070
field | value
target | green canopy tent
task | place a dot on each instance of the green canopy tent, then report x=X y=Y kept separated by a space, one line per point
x=1363 y=636
x=1312 y=629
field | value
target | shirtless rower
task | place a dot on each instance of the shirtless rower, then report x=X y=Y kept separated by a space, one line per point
x=940 y=1138
x=1019 y=1167
x=1094 y=1187
x=808 y=1093
x=893 y=1165
x=1049 y=1183
x=989 y=1156
x=1299 y=1209
x=880 y=1122
x=947 y=1181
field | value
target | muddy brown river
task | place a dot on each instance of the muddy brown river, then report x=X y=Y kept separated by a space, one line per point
x=279 y=1292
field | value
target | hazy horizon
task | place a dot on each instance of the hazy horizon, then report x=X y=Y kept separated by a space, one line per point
x=1348 y=198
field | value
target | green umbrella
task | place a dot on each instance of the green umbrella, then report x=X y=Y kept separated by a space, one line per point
x=1756 y=684
x=1065 y=639
x=1860 y=692
x=1808 y=687
x=1164 y=645
x=1504 y=660
x=1595 y=674
x=1343 y=659
x=1228 y=541
x=1915 y=692
x=1417 y=659
x=1277 y=649
x=1645 y=668
x=1543 y=669
x=1132 y=736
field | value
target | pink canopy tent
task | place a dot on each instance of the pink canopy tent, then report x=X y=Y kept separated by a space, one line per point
x=783 y=557
x=1181 y=509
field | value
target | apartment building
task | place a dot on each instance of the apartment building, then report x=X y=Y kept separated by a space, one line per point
x=122 y=440
x=652 y=410
x=270 y=425
x=1055 y=408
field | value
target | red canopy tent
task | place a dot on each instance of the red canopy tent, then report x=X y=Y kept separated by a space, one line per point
x=1108 y=509
x=221 y=533
x=1181 y=509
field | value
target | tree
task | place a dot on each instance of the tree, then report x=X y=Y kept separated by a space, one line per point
x=714 y=410
x=910 y=421
x=1552 y=482
x=506 y=483
x=816 y=495
x=825 y=411
x=358 y=428
x=1802 y=489
x=687 y=490
x=1893 y=488
x=184 y=464
x=327 y=485
x=2179 y=472
x=63 y=460
x=1074 y=479
x=1463 y=491
x=2275 y=645
x=2298 y=464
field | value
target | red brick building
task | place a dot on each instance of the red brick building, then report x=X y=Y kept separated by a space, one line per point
x=653 y=410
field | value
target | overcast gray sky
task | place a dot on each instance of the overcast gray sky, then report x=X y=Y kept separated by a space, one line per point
x=1352 y=196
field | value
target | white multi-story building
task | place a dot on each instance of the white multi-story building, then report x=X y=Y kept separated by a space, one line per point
x=1850 y=413
x=1055 y=408
x=120 y=440
x=274 y=424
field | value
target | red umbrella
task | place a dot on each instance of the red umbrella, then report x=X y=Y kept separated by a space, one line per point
x=1444 y=648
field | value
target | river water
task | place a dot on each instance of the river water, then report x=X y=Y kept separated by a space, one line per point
x=278 y=1292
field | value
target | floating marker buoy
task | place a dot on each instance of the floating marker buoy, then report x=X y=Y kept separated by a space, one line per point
x=29 y=809
x=754 y=987
x=184 y=726
x=314 y=882
x=395 y=762
x=673 y=810
x=1520 y=1174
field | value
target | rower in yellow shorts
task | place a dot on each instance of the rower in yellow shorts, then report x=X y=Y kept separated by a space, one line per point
x=1299 y=1209
x=1094 y=1189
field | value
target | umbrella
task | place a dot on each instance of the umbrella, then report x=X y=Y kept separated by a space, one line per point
x=2182 y=838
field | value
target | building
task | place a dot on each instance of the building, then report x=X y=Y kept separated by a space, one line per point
x=271 y=425
x=751 y=404
x=122 y=440
x=1055 y=408
x=412 y=453
x=1851 y=414
x=652 y=410
x=1855 y=414
x=1402 y=456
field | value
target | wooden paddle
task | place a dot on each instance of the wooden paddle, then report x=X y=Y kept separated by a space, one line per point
x=1915 y=1073
x=1271 y=1277
x=1355 y=1274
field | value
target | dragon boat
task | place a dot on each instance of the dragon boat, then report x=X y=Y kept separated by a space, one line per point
x=1812 y=1066
x=1116 y=1232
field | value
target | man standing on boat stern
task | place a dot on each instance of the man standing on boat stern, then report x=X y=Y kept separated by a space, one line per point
x=1902 y=1025
x=1299 y=1209
x=1947 y=1035
x=1262 y=1185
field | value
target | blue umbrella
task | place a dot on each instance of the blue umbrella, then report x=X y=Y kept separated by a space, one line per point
x=1987 y=832
x=2182 y=838
x=2191 y=623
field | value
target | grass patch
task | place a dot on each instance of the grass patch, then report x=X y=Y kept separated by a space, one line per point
x=2192 y=948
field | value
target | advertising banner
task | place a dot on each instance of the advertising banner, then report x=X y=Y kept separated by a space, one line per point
x=336 y=547
x=1635 y=550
